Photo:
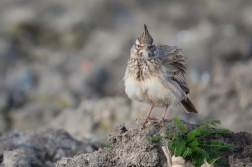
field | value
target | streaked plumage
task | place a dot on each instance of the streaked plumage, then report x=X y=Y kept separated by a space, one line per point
x=155 y=74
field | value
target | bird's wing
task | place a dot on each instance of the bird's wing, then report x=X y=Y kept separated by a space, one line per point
x=173 y=65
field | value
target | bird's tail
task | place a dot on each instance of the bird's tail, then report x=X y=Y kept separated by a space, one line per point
x=188 y=106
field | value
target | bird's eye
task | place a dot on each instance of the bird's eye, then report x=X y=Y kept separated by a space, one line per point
x=151 y=46
x=138 y=46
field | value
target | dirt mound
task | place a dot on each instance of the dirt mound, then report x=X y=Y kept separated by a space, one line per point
x=132 y=147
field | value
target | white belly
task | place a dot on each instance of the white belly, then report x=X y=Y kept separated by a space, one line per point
x=150 y=91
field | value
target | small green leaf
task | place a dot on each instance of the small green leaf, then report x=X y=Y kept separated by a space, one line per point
x=156 y=138
x=187 y=151
x=171 y=147
x=109 y=145
x=194 y=133
x=193 y=144
x=197 y=145
x=180 y=147
x=180 y=125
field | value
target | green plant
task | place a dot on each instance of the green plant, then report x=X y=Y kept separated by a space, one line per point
x=108 y=145
x=196 y=145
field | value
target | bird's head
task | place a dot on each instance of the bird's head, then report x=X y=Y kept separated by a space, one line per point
x=144 y=47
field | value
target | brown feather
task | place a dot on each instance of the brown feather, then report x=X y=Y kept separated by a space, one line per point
x=173 y=61
x=188 y=106
x=145 y=37
x=180 y=66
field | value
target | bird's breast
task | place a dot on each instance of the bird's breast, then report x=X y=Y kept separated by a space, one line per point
x=149 y=91
x=142 y=84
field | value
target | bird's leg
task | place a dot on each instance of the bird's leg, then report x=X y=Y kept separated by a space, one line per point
x=162 y=119
x=148 y=116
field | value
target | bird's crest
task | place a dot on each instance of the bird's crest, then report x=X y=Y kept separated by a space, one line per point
x=145 y=37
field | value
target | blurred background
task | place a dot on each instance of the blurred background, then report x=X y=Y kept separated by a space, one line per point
x=62 y=62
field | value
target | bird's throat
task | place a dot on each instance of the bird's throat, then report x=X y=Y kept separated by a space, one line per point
x=145 y=54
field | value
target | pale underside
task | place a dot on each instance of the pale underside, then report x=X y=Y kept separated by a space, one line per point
x=152 y=91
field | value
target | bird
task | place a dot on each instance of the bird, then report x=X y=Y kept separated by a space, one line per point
x=155 y=75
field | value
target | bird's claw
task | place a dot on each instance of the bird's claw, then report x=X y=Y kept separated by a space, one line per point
x=147 y=119
x=153 y=120
x=160 y=122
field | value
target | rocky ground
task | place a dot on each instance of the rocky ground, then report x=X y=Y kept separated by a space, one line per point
x=132 y=147
x=41 y=148
x=62 y=62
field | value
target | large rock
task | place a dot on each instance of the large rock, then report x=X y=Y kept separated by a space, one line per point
x=40 y=148
x=132 y=147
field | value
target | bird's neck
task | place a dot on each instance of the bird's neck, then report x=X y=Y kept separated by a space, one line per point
x=142 y=68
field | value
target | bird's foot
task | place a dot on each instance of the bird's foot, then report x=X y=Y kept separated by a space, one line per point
x=159 y=122
x=147 y=119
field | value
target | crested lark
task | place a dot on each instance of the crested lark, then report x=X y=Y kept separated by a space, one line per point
x=155 y=75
